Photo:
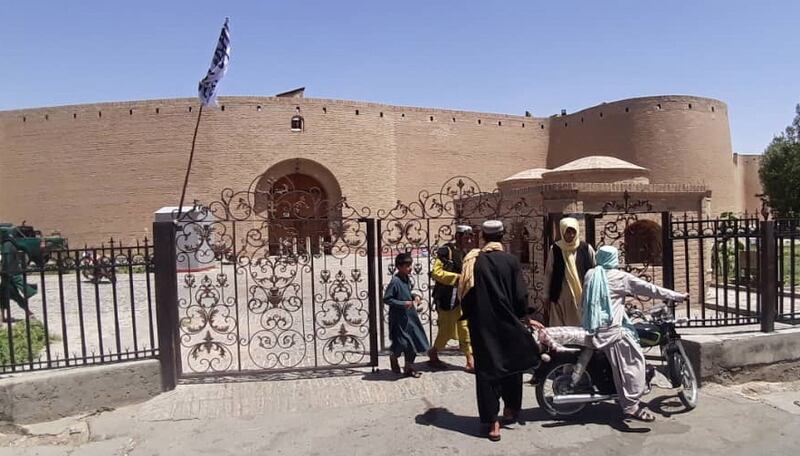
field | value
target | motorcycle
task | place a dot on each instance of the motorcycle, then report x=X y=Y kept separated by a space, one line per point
x=95 y=269
x=563 y=389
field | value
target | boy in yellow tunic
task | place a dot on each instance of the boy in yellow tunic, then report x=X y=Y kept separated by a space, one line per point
x=446 y=273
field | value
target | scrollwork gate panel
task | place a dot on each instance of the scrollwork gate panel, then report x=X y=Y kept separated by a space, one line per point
x=421 y=226
x=279 y=290
x=635 y=230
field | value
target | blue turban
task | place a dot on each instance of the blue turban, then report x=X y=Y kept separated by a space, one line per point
x=596 y=299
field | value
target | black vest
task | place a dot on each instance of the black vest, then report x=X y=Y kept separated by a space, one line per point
x=452 y=260
x=582 y=260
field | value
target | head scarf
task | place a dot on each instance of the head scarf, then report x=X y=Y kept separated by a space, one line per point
x=569 y=222
x=597 y=299
x=568 y=251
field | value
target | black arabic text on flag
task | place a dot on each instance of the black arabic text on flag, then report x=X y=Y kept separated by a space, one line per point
x=207 y=89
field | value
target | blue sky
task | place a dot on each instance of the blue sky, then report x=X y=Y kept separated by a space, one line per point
x=506 y=57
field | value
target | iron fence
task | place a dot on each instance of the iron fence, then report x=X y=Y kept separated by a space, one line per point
x=716 y=261
x=787 y=234
x=302 y=291
x=77 y=307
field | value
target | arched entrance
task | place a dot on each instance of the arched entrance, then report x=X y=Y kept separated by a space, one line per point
x=297 y=197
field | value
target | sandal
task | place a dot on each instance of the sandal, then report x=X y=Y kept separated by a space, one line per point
x=412 y=373
x=393 y=364
x=509 y=417
x=491 y=435
x=641 y=415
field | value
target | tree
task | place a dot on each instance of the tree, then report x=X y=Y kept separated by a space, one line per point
x=780 y=169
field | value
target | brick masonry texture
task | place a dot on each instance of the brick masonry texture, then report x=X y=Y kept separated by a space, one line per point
x=100 y=170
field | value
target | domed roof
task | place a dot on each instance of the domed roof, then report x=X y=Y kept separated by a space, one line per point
x=528 y=174
x=522 y=179
x=598 y=169
x=598 y=162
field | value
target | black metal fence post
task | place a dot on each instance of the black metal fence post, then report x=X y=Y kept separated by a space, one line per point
x=379 y=275
x=667 y=254
x=769 y=276
x=372 y=280
x=166 y=282
x=590 y=230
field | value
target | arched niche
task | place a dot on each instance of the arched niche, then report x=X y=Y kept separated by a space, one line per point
x=324 y=180
x=643 y=243
x=300 y=199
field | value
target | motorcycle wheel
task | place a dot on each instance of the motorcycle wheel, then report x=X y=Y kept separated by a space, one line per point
x=688 y=380
x=557 y=382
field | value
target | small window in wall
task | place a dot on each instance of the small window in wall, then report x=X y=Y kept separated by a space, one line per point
x=643 y=243
x=298 y=123
x=712 y=109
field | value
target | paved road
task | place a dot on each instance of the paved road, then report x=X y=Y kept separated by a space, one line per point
x=376 y=413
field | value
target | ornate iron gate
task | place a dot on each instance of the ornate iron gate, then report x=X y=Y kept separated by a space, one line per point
x=642 y=237
x=423 y=225
x=287 y=287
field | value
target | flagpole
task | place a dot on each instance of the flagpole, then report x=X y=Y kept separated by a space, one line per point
x=206 y=91
x=189 y=166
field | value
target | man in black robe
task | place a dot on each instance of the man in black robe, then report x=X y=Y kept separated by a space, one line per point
x=495 y=299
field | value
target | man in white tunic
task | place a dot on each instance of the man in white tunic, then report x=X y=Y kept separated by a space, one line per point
x=604 y=317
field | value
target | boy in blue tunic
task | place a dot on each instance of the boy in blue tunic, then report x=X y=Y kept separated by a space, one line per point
x=405 y=328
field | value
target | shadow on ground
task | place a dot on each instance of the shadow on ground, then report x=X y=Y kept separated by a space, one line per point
x=601 y=414
x=386 y=375
x=667 y=406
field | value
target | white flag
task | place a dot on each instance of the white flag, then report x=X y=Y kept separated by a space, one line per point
x=207 y=89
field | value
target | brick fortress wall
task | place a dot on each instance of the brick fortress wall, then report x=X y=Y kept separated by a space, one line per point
x=680 y=139
x=96 y=171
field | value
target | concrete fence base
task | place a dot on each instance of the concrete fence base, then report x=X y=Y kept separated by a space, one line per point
x=720 y=357
x=49 y=395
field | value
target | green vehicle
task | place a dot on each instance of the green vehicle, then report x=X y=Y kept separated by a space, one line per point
x=36 y=248
x=19 y=246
